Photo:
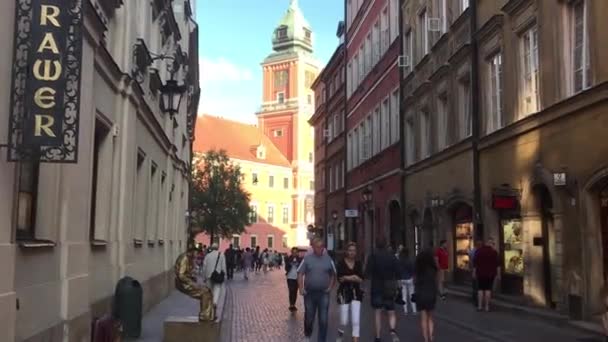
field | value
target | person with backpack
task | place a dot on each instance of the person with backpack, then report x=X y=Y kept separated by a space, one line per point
x=383 y=270
x=214 y=272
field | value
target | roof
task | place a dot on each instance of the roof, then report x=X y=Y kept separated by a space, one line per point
x=239 y=140
x=296 y=27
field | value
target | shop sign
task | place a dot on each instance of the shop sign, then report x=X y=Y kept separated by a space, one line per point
x=559 y=179
x=351 y=213
x=46 y=81
x=504 y=202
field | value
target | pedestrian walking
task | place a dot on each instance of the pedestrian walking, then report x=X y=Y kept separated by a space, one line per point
x=425 y=292
x=291 y=271
x=442 y=260
x=474 y=286
x=265 y=260
x=350 y=295
x=487 y=270
x=257 y=259
x=247 y=262
x=406 y=276
x=383 y=270
x=215 y=263
x=316 y=278
x=230 y=255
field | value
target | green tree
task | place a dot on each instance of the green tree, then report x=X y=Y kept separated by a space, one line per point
x=219 y=204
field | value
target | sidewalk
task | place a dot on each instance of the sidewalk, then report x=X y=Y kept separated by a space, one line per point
x=508 y=304
x=176 y=304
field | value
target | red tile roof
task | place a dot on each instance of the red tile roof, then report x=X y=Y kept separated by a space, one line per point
x=239 y=140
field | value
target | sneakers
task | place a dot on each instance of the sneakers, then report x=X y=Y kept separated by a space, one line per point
x=394 y=336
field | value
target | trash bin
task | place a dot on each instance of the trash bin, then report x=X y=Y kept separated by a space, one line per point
x=127 y=306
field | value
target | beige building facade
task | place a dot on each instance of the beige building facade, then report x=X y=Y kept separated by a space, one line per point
x=69 y=232
x=541 y=112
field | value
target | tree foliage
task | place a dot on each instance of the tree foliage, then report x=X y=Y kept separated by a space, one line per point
x=220 y=205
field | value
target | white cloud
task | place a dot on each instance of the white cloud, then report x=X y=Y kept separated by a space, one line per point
x=222 y=70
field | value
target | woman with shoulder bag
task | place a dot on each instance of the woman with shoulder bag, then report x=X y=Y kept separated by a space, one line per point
x=425 y=292
x=214 y=271
x=350 y=295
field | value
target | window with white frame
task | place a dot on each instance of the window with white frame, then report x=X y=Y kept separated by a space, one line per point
x=423 y=34
x=464 y=108
x=331 y=179
x=425 y=134
x=407 y=51
x=285 y=214
x=253 y=241
x=270 y=217
x=355 y=150
x=495 y=120
x=367 y=46
x=349 y=79
x=442 y=8
x=253 y=213
x=330 y=130
x=376 y=44
x=355 y=73
x=377 y=131
x=581 y=66
x=270 y=241
x=394 y=21
x=394 y=117
x=529 y=71
x=362 y=143
x=349 y=149
x=362 y=67
x=410 y=141
x=386 y=124
x=368 y=137
x=384 y=31
x=442 y=121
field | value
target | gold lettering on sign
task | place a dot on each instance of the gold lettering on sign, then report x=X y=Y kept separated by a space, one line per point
x=48 y=42
x=40 y=126
x=45 y=97
x=46 y=76
x=49 y=13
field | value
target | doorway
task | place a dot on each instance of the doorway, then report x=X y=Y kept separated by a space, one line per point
x=604 y=227
x=545 y=207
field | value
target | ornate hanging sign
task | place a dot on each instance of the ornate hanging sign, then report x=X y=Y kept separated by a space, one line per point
x=45 y=97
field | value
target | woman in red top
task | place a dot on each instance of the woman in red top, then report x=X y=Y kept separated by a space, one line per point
x=441 y=258
x=487 y=268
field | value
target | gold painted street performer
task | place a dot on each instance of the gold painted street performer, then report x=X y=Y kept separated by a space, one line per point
x=185 y=282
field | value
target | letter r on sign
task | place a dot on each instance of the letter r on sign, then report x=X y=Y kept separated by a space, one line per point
x=40 y=126
x=49 y=13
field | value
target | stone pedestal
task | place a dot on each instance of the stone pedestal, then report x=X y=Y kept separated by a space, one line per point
x=189 y=329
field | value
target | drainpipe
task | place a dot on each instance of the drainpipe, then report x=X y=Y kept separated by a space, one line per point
x=479 y=228
x=348 y=222
x=401 y=127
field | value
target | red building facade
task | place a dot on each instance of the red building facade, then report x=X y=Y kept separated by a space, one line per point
x=374 y=154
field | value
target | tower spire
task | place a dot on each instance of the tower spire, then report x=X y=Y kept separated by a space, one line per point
x=293 y=4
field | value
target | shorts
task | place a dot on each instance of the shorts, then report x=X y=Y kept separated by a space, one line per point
x=379 y=301
x=485 y=283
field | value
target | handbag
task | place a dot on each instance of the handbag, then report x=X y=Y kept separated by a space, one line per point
x=217 y=277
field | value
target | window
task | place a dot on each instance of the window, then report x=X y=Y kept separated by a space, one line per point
x=236 y=241
x=349 y=79
x=285 y=242
x=425 y=134
x=442 y=121
x=254 y=213
x=357 y=148
x=394 y=24
x=355 y=73
x=254 y=178
x=286 y=183
x=362 y=65
x=277 y=133
x=581 y=66
x=367 y=46
x=377 y=131
x=307 y=34
x=98 y=178
x=442 y=10
x=464 y=98
x=411 y=141
x=285 y=215
x=281 y=97
x=282 y=33
x=495 y=98
x=271 y=181
x=270 y=217
x=395 y=117
x=386 y=124
x=368 y=138
x=423 y=40
x=270 y=241
x=337 y=171
x=337 y=127
x=376 y=44
x=331 y=179
x=464 y=4
x=27 y=198
x=280 y=79
x=310 y=157
x=407 y=51
x=140 y=196
x=529 y=42
x=384 y=30
x=253 y=241
x=312 y=185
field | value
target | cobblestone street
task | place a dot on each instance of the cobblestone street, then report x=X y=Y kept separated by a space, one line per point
x=256 y=310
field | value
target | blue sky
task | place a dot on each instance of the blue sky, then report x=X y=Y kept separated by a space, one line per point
x=235 y=36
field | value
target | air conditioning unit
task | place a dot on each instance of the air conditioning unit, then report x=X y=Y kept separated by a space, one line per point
x=404 y=61
x=434 y=24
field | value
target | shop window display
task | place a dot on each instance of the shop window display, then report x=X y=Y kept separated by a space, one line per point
x=513 y=247
x=464 y=244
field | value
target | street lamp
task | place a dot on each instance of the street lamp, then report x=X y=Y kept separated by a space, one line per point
x=171 y=96
x=367 y=196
